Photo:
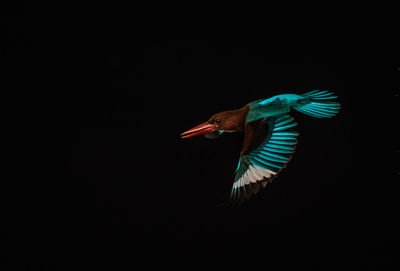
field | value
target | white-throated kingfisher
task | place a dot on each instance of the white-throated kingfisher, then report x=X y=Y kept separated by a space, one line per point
x=269 y=140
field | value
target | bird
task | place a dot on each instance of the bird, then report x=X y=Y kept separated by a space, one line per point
x=269 y=138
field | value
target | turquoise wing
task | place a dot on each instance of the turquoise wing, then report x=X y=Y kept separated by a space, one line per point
x=318 y=104
x=259 y=166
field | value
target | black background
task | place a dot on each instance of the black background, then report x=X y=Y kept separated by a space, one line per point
x=104 y=99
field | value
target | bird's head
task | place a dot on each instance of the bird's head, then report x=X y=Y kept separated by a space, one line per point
x=227 y=121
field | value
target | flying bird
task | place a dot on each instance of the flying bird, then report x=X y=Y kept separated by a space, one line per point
x=269 y=138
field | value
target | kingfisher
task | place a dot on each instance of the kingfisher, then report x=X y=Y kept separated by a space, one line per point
x=269 y=138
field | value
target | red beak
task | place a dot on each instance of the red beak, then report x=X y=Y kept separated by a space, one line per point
x=200 y=129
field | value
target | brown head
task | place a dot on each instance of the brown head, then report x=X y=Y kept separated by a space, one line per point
x=226 y=121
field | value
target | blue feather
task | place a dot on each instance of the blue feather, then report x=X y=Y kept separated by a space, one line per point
x=317 y=110
x=284 y=122
x=288 y=133
x=285 y=127
x=265 y=162
x=258 y=163
x=327 y=110
x=282 y=118
x=286 y=142
x=274 y=154
x=272 y=159
x=282 y=137
x=274 y=150
x=311 y=113
x=267 y=156
x=279 y=147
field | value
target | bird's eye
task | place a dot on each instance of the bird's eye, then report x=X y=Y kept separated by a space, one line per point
x=217 y=121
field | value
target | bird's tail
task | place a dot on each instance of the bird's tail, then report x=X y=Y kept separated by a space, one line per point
x=318 y=104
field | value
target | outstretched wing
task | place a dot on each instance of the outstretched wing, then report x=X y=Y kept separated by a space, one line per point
x=265 y=153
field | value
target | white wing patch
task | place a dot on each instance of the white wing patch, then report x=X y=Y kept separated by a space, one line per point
x=253 y=174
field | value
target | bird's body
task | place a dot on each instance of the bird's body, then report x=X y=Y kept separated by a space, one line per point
x=269 y=140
